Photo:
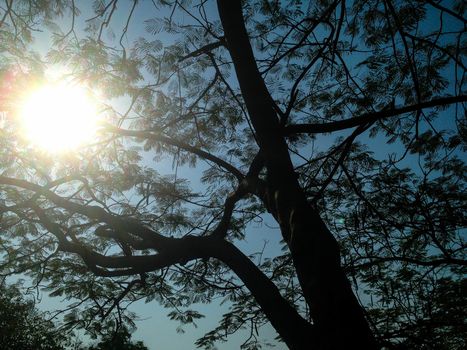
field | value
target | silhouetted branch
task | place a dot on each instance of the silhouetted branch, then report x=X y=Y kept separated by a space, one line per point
x=204 y=50
x=368 y=117
x=150 y=135
x=445 y=9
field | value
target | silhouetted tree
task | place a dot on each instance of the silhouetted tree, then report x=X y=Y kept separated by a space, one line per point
x=251 y=93
x=119 y=340
x=22 y=326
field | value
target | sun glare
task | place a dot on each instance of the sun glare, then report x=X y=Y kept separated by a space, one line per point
x=59 y=117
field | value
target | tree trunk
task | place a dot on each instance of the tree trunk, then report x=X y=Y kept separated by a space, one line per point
x=336 y=313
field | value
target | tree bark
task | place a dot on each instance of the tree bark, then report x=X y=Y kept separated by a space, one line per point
x=337 y=316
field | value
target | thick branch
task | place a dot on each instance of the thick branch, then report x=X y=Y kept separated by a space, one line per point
x=370 y=117
x=182 y=250
x=284 y=318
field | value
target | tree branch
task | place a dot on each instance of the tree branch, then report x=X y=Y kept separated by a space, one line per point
x=150 y=135
x=281 y=314
x=158 y=241
x=203 y=50
x=369 y=117
x=445 y=9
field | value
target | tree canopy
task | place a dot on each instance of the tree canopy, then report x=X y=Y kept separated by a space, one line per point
x=22 y=326
x=342 y=121
x=119 y=340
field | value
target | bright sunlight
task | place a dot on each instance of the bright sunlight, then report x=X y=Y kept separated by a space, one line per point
x=59 y=117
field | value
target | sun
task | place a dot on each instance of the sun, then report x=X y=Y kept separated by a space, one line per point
x=59 y=116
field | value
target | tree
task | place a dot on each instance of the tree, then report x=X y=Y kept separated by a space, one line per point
x=120 y=340
x=22 y=326
x=251 y=93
